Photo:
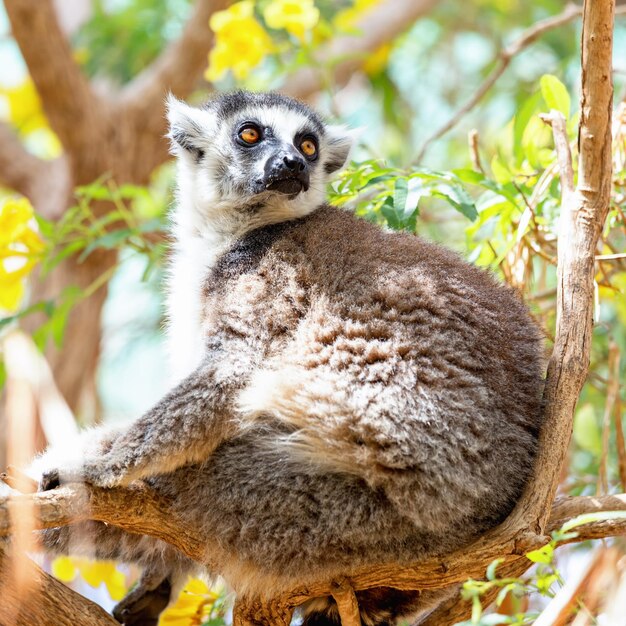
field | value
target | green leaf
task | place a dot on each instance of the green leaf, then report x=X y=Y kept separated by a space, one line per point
x=587 y=430
x=542 y=555
x=555 y=94
x=501 y=172
x=387 y=209
x=588 y=518
x=523 y=116
x=458 y=198
x=400 y=195
x=469 y=176
x=109 y=241
x=491 y=570
x=545 y=582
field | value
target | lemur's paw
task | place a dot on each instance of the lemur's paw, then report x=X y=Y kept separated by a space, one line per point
x=98 y=475
x=108 y=471
x=53 y=478
x=142 y=606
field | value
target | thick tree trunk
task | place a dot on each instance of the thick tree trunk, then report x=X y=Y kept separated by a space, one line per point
x=75 y=361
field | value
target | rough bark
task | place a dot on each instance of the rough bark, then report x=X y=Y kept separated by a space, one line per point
x=137 y=509
x=48 y=602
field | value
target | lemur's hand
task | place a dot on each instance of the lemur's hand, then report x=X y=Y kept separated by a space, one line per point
x=80 y=461
x=118 y=466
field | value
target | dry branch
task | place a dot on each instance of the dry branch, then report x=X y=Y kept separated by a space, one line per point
x=583 y=214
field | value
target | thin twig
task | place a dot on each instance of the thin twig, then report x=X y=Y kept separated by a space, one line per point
x=472 y=140
x=503 y=61
x=557 y=121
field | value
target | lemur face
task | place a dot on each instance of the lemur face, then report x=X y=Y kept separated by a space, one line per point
x=254 y=149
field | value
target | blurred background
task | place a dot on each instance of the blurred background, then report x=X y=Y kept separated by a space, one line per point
x=448 y=95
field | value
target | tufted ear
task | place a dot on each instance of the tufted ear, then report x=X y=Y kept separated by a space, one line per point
x=339 y=143
x=189 y=128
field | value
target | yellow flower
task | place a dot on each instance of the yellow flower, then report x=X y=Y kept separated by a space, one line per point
x=11 y=290
x=377 y=61
x=25 y=110
x=26 y=114
x=94 y=573
x=241 y=43
x=295 y=16
x=64 y=569
x=192 y=607
x=346 y=19
x=20 y=249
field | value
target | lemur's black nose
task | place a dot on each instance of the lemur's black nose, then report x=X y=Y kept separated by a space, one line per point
x=286 y=172
x=294 y=163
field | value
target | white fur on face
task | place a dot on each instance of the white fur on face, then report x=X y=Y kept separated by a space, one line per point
x=207 y=220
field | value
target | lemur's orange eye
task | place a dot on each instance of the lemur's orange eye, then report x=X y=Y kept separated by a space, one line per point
x=250 y=135
x=308 y=147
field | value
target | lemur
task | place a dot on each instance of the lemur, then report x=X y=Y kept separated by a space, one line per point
x=347 y=396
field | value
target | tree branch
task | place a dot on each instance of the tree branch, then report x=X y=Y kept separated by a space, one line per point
x=45 y=183
x=141 y=104
x=47 y=602
x=178 y=68
x=504 y=59
x=583 y=214
x=72 y=108
x=138 y=509
x=18 y=167
x=380 y=25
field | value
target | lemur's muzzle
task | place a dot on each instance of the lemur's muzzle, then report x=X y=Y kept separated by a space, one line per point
x=287 y=172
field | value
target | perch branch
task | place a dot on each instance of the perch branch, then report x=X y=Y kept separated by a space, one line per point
x=138 y=509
